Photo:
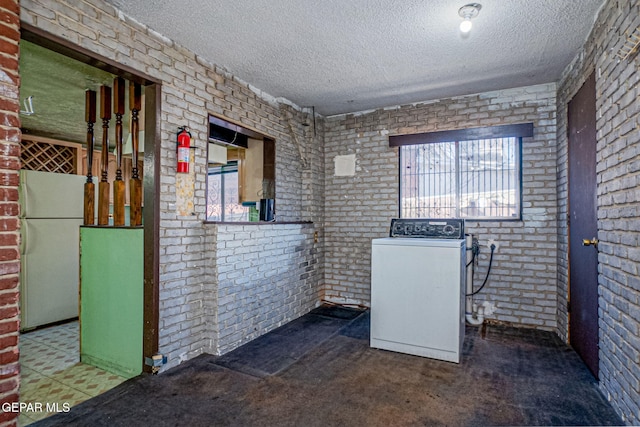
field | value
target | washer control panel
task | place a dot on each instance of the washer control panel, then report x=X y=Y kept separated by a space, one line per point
x=427 y=228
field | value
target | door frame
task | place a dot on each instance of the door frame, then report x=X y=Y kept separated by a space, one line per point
x=151 y=176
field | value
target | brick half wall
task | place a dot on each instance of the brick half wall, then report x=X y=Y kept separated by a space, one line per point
x=263 y=277
x=256 y=278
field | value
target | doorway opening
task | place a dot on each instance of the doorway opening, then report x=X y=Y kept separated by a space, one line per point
x=54 y=145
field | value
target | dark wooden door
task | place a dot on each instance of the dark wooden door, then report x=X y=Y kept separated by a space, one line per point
x=583 y=258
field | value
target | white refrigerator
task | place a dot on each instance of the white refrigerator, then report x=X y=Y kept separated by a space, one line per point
x=51 y=213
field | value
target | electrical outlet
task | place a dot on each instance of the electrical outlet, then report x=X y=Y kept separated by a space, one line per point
x=156 y=360
x=493 y=242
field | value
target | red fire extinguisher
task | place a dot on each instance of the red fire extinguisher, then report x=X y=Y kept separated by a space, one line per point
x=184 y=144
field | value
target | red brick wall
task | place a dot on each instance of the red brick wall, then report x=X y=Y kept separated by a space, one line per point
x=9 y=233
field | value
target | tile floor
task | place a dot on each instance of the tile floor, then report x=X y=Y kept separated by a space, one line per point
x=51 y=372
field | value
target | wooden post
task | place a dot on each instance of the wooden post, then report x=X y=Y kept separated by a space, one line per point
x=118 y=184
x=103 y=186
x=135 y=184
x=89 y=186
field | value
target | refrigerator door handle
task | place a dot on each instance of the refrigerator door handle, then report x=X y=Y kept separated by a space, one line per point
x=22 y=194
x=24 y=231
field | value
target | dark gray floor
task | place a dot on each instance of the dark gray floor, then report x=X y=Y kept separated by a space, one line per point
x=319 y=371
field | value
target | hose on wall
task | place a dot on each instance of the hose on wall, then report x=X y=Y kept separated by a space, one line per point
x=474 y=314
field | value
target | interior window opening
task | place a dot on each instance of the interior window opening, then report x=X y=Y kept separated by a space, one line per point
x=241 y=174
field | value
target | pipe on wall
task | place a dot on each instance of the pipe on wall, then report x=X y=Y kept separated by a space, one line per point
x=474 y=315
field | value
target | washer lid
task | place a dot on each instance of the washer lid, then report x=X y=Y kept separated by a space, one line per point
x=401 y=241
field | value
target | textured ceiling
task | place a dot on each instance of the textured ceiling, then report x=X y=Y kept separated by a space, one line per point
x=347 y=56
x=337 y=56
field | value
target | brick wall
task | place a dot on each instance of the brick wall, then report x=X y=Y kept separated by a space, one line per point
x=524 y=291
x=192 y=87
x=523 y=278
x=618 y=180
x=9 y=224
x=357 y=209
x=265 y=275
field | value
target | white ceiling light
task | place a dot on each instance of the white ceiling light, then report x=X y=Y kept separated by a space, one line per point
x=467 y=12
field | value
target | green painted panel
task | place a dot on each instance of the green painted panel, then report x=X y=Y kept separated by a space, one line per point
x=111 y=299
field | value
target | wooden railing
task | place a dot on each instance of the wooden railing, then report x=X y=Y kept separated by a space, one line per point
x=119 y=185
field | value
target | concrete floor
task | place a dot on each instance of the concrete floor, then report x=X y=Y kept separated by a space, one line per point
x=319 y=371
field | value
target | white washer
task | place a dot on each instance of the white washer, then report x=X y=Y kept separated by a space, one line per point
x=417 y=296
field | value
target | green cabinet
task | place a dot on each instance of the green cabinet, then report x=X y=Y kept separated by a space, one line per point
x=111 y=299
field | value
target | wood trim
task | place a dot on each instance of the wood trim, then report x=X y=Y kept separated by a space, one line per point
x=53 y=141
x=151 y=221
x=65 y=47
x=269 y=165
x=269 y=159
x=242 y=175
x=523 y=130
x=235 y=127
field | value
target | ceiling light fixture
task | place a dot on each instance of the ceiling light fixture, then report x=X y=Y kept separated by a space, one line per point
x=467 y=12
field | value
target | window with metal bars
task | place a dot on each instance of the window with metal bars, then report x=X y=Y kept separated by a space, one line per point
x=475 y=179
